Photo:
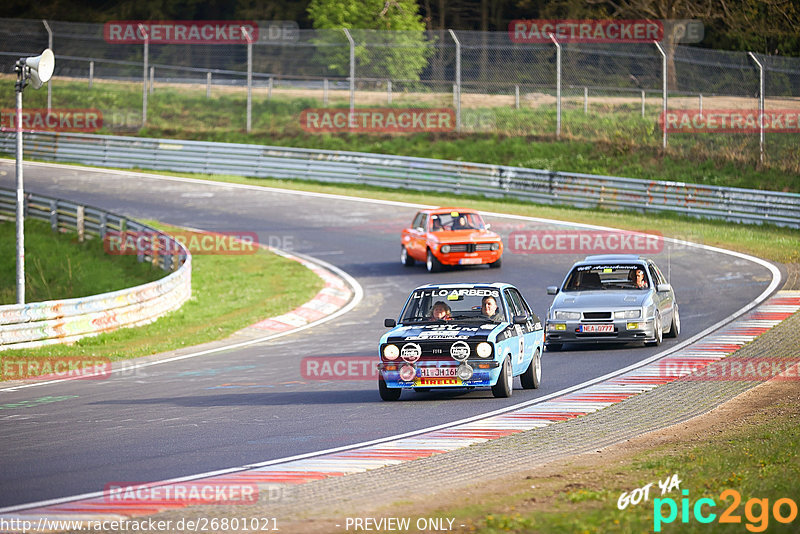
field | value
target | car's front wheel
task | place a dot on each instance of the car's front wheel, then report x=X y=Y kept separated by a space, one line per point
x=532 y=377
x=505 y=381
x=405 y=259
x=432 y=264
x=658 y=334
x=675 y=327
x=497 y=264
x=387 y=393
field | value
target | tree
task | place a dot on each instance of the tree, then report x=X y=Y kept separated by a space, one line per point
x=401 y=53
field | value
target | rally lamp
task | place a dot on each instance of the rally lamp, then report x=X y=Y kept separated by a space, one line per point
x=36 y=70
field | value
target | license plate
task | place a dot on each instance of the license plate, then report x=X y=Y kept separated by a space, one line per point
x=436 y=372
x=597 y=328
x=469 y=261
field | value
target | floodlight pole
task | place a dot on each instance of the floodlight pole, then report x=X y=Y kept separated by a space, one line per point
x=249 y=77
x=146 y=35
x=19 y=68
x=50 y=46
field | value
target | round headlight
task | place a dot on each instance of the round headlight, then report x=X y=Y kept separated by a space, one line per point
x=391 y=352
x=407 y=373
x=495 y=246
x=411 y=352
x=464 y=371
x=445 y=249
x=459 y=351
x=484 y=349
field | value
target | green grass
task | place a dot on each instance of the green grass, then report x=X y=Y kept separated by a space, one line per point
x=757 y=457
x=58 y=266
x=228 y=293
x=610 y=139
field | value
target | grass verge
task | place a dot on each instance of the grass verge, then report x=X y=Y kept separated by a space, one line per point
x=228 y=293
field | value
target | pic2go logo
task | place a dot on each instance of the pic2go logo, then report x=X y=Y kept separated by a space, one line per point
x=756 y=511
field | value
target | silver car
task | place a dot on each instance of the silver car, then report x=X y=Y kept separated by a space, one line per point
x=612 y=299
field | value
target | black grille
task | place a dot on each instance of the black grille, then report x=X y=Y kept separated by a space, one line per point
x=597 y=315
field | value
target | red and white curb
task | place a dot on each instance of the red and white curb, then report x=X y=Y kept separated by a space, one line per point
x=343 y=461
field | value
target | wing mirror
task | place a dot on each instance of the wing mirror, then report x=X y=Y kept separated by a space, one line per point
x=663 y=287
x=552 y=290
x=520 y=319
x=389 y=323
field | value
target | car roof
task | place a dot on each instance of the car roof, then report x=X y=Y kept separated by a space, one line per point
x=613 y=257
x=446 y=209
x=450 y=285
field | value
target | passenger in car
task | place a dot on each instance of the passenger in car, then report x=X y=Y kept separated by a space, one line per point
x=440 y=311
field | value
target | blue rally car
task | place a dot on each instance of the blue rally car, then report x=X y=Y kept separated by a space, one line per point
x=461 y=336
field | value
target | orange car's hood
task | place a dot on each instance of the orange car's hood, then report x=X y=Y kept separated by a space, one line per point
x=465 y=236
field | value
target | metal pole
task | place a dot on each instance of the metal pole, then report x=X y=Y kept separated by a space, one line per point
x=152 y=77
x=663 y=93
x=91 y=74
x=558 y=84
x=585 y=100
x=20 y=192
x=144 y=73
x=760 y=107
x=352 y=71
x=642 y=103
x=457 y=90
x=208 y=84
x=249 y=77
x=388 y=91
x=325 y=92
x=269 y=89
x=701 y=104
x=50 y=46
x=516 y=96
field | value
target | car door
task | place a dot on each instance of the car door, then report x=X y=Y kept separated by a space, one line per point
x=518 y=306
x=664 y=299
x=415 y=237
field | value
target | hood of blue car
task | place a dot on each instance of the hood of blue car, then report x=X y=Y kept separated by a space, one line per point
x=442 y=331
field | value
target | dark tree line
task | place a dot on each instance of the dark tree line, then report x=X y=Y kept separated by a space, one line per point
x=766 y=26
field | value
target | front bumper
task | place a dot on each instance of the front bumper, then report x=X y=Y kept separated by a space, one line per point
x=485 y=374
x=468 y=258
x=622 y=331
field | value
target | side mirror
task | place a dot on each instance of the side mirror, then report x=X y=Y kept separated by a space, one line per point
x=389 y=323
x=552 y=290
x=520 y=319
x=663 y=287
x=488 y=226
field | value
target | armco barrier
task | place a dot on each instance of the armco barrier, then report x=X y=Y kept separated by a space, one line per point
x=541 y=186
x=61 y=321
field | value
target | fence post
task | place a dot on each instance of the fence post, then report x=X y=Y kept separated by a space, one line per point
x=516 y=96
x=663 y=94
x=585 y=100
x=388 y=91
x=249 y=77
x=50 y=46
x=91 y=74
x=208 y=84
x=269 y=89
x=352 y=70
x=701 y=104
x=152 y=76
x=144 y=73
x=642 y=103
x=558 y=85
x=760 y=107
x=457 y=86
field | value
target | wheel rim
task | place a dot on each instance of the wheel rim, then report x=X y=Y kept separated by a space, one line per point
x=403 y=255
x=429 y=262
x=538 y=367
x=509 y=377
x=677 y=321
x=658 y=333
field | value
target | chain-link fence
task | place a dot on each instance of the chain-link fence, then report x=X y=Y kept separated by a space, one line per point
x=611 y=92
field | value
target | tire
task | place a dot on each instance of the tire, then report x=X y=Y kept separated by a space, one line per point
x=657 y=332
x=553 y=347
x=405 y=259
x=505 y=381
x=387 y=393
x=432 y=264
x=497 y=264
x=675 y=327
x=532 y=377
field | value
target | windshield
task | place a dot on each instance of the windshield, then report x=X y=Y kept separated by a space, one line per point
x=445 y=222
x=602 y=277
x=454 y=303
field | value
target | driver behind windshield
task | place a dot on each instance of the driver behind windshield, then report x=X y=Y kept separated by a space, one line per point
x=490 y=310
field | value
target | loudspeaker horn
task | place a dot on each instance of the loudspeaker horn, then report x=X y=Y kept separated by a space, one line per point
x=41 y=67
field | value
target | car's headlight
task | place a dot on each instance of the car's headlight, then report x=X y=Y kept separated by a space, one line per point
x=445 y=249
x=627 y=314
x=495 y=246
x=484 y=349
x=391 y=352
x=563 y=315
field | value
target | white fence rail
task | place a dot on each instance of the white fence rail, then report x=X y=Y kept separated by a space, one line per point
x=62 y=321
x=539 y=186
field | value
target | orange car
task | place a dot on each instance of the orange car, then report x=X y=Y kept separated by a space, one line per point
x=450 y=236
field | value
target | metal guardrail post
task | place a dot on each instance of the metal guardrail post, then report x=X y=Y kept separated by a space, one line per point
x=663 y=93
x=457 y=95
x=760 y=106
x=352 y=70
